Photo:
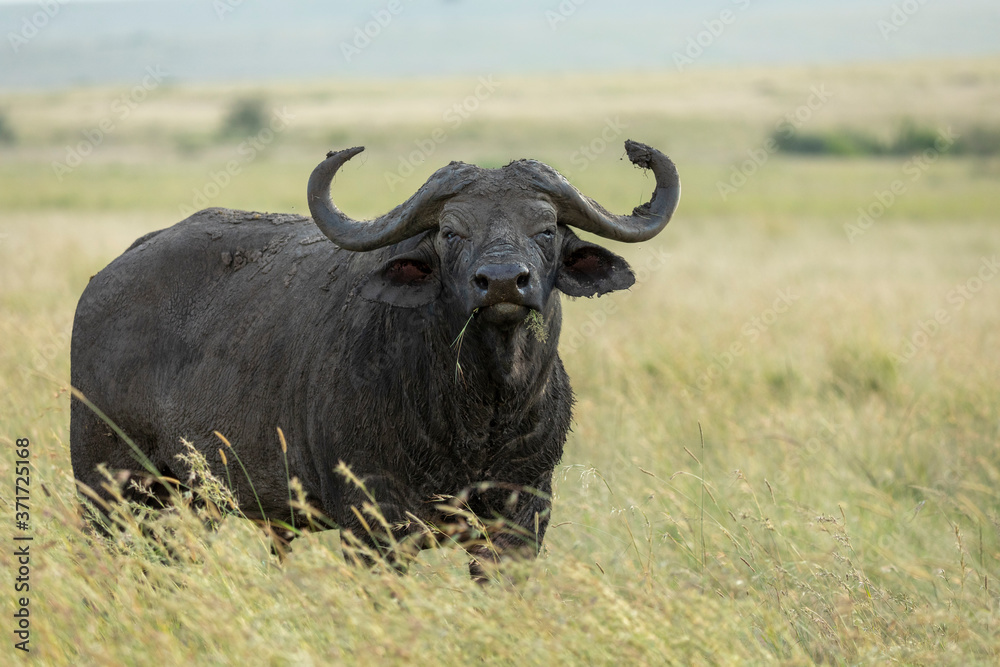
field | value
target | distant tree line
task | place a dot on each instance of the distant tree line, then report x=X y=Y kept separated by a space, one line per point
x=7 y=135
x=909 y=138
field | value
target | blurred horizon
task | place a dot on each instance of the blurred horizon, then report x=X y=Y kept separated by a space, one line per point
x=59 y=44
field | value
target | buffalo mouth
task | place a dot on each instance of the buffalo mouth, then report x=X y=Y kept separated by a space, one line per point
x=504 y=313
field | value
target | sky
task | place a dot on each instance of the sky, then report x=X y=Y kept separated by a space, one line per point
x=54 y=43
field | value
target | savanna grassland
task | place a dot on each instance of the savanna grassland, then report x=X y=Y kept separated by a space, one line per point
x=787 y=437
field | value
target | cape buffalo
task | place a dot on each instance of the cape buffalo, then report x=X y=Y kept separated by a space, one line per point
x=419 y=348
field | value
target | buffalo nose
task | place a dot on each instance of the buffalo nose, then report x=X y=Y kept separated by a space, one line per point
x=498 y=283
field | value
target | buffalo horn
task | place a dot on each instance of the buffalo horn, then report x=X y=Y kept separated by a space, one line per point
x=416 y=214
x=584 y=213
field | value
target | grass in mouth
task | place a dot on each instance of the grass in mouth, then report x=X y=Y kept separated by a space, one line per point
x=457 y=343
x=536 y=325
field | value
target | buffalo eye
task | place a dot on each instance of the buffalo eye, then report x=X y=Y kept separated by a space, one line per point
x=545 y=235
x=451 y=235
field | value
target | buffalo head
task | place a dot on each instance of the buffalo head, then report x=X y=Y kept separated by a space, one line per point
x=495 y=241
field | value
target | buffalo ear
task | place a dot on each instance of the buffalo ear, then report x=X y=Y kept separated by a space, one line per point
x=590 y=270
x=406 y=280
